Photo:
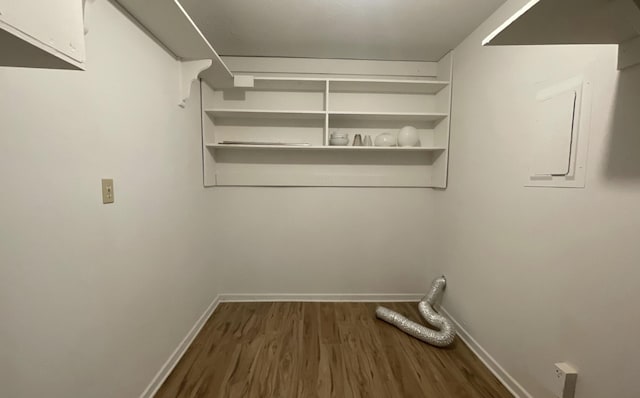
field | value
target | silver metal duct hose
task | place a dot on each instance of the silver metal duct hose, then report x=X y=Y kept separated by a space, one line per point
x=446 y=331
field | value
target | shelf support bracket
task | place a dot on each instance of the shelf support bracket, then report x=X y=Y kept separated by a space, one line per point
x=189 y=71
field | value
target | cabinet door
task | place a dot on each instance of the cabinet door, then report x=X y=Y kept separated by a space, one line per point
x=42 y=33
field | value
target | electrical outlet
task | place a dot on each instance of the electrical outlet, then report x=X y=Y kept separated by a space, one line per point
x=108 y=196
x=565 y=378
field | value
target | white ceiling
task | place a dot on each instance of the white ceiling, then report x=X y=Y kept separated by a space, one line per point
x=402 y=30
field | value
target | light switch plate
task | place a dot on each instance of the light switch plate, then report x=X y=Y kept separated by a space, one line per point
x=108 y=196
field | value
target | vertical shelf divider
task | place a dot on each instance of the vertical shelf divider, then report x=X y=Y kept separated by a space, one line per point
x=326 y=112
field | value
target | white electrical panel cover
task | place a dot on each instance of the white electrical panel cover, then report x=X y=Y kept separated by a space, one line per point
x=554 y=130
x=560 y=136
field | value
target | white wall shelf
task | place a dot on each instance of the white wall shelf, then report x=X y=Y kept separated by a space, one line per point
x=288 y=84
x=293 y=109
x=405 y=118
x=171 y=25
x=387 y=86
x=542 y=22
x=238 y=114
x=323 y=148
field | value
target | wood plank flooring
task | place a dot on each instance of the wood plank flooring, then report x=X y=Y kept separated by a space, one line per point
x=318 y=350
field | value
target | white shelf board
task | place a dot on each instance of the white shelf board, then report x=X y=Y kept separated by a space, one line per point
x=172 y=26
x=349 y=85
x=288 y=84
x=387 y=86
x=265 y=114
x=325 y=148
x=569 y=22
x=379 y=116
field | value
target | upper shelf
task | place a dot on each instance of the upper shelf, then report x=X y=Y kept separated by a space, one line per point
x=575 y=22
x=390 y=116
x=387 y=86
x=288 y=84
x=347 y=85
x=569 y=22
x=51 y=38
x=172 y=26
x=265 y=114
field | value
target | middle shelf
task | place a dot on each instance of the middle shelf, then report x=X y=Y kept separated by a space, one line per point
x=405 y=117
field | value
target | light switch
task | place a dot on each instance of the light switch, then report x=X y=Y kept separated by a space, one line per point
x=108 y=195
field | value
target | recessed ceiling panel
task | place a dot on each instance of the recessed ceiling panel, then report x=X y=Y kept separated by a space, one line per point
x=401 y=30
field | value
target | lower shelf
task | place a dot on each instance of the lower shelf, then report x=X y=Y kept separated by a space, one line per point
x=324 y=148
x=329 y=166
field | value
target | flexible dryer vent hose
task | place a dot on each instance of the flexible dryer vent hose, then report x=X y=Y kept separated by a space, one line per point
x=446 y=331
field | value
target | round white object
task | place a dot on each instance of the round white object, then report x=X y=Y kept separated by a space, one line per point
x=336 y=134
x=338 y=141
x=408 y=136
x=386 y=139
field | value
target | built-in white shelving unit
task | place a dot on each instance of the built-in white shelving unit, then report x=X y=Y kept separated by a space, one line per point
x=280 y=127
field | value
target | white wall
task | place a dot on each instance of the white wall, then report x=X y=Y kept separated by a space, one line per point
x=93 y=297
x=542 y=275
x=322 y=240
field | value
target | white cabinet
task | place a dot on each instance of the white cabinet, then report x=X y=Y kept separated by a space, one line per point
x=42 y=34
x=276 y=133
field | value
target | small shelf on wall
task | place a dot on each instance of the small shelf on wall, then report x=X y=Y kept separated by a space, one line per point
x=288 y=84
x=550 y=22
x=236 y=114
x=387 y=86
x=405 y=118
x=44 y=34
x=170 y=24
x=322 y=148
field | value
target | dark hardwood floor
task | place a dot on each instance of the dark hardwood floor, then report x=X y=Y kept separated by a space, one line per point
x=312 y=350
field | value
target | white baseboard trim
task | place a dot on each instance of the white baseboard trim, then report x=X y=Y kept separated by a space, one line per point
x=177 y=354
x=498 y=371
x=301 y=297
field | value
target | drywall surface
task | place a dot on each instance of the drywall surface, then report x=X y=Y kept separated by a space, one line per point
x=543 y=275
x=322 y=240
x=94 y=298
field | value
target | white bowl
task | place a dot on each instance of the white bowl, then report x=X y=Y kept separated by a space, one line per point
x=386 y=139
x=338 y=141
